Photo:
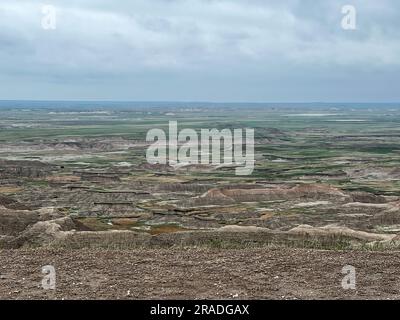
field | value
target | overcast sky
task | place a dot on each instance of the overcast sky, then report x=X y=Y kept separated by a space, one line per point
x=201 y=50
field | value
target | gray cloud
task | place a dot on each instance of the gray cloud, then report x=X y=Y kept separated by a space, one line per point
x=228 y=50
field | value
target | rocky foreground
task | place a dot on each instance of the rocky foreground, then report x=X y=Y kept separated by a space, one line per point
x=264 y=273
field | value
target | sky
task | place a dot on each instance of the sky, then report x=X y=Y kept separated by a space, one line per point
x=199 y=50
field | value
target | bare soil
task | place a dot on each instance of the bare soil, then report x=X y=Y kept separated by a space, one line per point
x=197 y=273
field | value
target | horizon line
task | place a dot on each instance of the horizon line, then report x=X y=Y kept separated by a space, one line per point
x=199 y=101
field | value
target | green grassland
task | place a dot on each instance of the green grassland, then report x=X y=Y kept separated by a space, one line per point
x=291 y=144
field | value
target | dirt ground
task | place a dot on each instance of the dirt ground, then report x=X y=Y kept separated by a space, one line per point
x=199 y=274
